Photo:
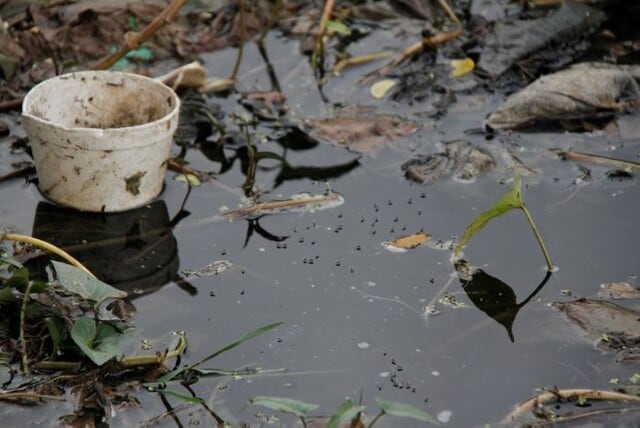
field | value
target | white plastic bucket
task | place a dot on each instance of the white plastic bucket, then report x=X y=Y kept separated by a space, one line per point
x=101 y=139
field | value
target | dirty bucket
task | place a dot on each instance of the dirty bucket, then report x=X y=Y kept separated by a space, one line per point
x=100 y=139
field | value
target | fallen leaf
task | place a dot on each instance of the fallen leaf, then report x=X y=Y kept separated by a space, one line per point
x=619 y=290
x=461 y=67
x=360 y=134
x=610 y=325
x=381 y=88
x=409 y=242
x=584 y=90
x=302 y=202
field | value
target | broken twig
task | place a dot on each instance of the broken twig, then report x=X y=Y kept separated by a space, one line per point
x=136 y=39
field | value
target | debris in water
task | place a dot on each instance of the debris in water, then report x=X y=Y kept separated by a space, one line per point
x=514 y=39
x=461 y=159
x=211 y=269
x=581 y=91
x=609 y=325
x=404 y=243
x=619 y=290
x=362 y=132
x=300 y=203
x=382 y=87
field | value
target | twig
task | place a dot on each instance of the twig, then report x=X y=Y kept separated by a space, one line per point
x=23 y=336
x=447 y=9
x=46 y=246
x=602 y=160
x=319 y=46
x=566 y=394
x=14 y=395
x=412 y=50
x=136 y=39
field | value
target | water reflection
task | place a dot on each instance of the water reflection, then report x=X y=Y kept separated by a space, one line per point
x=494 y=297
x=134 y=250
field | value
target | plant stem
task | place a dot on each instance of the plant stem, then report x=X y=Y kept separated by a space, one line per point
x=45 y=246
x=538 y=237
x=236 y=66
x=378 y=416
x=304 y=424
x=23 y=324
x=145 y=360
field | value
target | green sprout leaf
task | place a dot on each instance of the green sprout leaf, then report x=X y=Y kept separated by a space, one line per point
x=287 y=405
x=403 y=410
x=338 y=27
x=511 y=200
x=79 y=282
x=346 y=412
x=172 y=374
x=97 y=343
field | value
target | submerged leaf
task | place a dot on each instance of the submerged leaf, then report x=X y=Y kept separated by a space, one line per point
x=613 y=326
x=461 y=159
x=405 y=411
x=362 y=134
x=619 y=290
x=510 y=201
x=79 y=282
x=287 y=405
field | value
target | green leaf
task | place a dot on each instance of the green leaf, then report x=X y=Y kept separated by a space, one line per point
x=346 y=412
x=79 y=282
x=403 y=410
x=54 y=325
x=287 y=405
x=186 y=398
x=510 y=201
x=338 y=27
x=84 y=334
x=172 y=374
x=7 y=262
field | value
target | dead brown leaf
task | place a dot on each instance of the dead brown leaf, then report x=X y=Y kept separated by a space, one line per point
x=408 y=242
x=365 y=135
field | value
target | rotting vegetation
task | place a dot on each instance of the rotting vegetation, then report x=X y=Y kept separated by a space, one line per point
x=34 y=42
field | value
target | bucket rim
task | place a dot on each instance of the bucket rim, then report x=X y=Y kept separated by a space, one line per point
x=27 y=102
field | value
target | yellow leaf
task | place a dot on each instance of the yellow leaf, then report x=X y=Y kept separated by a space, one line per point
x=460 y=67
x=405 y=243
x=381 y=87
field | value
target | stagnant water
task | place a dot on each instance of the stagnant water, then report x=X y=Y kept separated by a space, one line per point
x=354 y=314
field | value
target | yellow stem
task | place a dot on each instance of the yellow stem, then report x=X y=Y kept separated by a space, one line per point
x=45 y=246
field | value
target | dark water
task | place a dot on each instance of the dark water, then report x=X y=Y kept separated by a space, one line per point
x=354 y=313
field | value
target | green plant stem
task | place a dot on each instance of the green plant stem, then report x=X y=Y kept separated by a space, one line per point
x=378 y=416
x=23 y=326
x=45 y=246
x=304 y=423
x=236 y=66
x=538 y=236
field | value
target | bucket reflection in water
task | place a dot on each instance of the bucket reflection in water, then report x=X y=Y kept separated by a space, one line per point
x=133 y=250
